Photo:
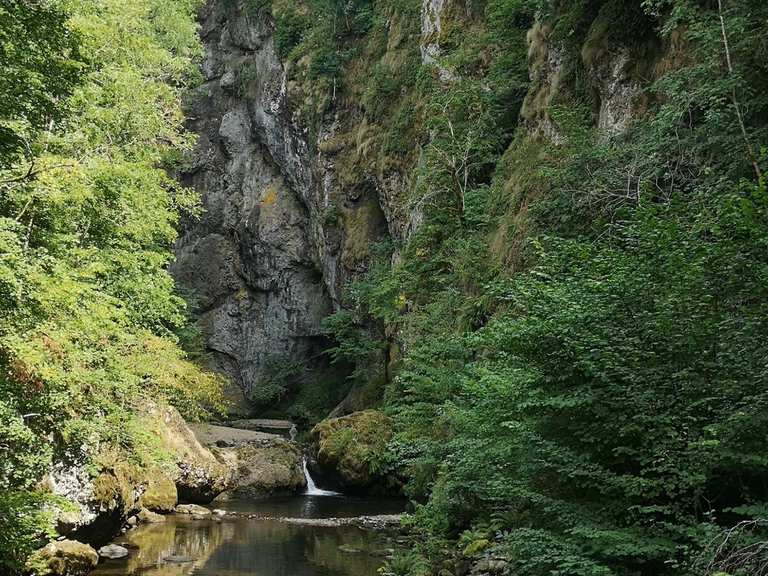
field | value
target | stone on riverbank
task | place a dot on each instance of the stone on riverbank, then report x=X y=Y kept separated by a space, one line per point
x=103 y=503
x=148 y=517
x=192 y=509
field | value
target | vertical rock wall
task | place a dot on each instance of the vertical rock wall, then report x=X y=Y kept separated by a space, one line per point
x=250 y=263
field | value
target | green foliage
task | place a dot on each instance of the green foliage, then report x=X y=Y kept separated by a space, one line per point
x=290 y=27
x=405 y=564
x=279 y=377
x=87 y=219
x=40 y=65
x=599 y=411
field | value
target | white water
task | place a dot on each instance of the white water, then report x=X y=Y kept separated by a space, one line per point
x=312 y=489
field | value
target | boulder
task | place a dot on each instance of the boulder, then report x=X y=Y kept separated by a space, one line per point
x=260 y=464
x=65 y=558
x=270 y=466
x=102 y=504
x=343 y=449
x=200 y=477
x=113 y=552
x=192 y=509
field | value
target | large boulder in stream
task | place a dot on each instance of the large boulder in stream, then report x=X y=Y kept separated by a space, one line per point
x=199 y=475
x=260 y=464
x=347 y=450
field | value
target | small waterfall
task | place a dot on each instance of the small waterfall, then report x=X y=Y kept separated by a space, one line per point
x=312 y=489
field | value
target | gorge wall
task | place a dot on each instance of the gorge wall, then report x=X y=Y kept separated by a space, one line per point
x=301 y=176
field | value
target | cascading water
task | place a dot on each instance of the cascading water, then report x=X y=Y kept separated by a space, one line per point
x=312 y=489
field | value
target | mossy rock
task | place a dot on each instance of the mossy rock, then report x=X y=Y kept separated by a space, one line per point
x=64 y=558
x=350 y=450
x=267 y=468
x=160 y=495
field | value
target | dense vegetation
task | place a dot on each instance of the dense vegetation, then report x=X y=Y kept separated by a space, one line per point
x=90 y=119
x=582 y=384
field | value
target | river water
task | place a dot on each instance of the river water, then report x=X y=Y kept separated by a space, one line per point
x=278 y=545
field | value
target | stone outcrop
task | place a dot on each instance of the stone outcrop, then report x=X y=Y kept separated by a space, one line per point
x=199 y=476
x=289 y=219
x=102 y=504
x=249 y=264
x=260 y=464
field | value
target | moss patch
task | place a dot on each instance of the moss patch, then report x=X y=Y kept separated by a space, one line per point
x=160 y=494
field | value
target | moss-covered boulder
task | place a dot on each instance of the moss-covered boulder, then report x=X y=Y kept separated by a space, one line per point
x=98 y=503
x=64 y=558
x=105 y=491
x=267 y=467
x=350 y=453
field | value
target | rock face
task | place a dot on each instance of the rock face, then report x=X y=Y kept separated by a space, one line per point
x=260 y=464
x=66 y=558
x=344 y=449
x=293 y=207
x=249 y=263
x=288 y=221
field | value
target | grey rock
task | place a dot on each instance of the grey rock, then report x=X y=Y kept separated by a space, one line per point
x=113 y=552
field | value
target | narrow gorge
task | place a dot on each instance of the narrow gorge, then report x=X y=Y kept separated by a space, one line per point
x=396 y=287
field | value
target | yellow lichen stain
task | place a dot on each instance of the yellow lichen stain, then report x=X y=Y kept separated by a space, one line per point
x=270 y=196
x=241 y=295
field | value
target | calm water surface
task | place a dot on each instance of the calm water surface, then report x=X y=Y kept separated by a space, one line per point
x=259 y=547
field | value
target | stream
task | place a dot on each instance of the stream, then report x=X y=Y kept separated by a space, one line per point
x=287 y=537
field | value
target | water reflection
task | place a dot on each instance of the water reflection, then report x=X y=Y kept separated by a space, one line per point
x=315 y=506
x=240 y=546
